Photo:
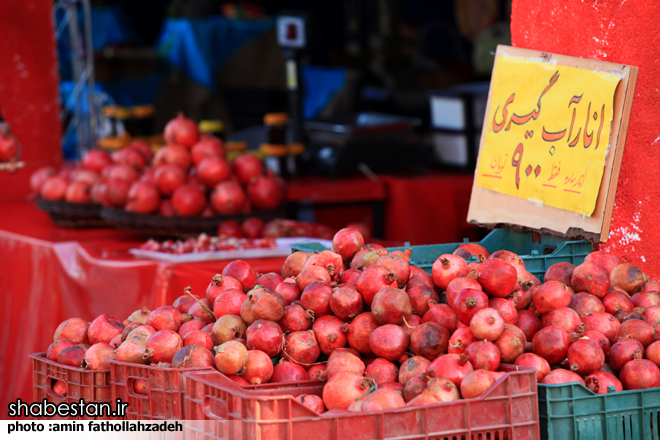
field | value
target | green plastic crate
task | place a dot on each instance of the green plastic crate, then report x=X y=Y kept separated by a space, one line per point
x=572 y=411
x=539 y=251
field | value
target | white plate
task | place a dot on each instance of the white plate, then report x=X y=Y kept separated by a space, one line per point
x=283 y=249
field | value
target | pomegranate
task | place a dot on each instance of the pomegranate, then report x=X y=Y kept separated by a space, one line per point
x=54 y=188
x=366 y=257
x=258 y=368
x=73 y=356
x=316 y=298
x=535 y=361
x=228 y=198
x=239 y=380
x=506 y=308
x=414 y=387
x=452 y=367
x=566 y=318
x=169 y=178
x=188 y=200
x=391 y=306
x=460 y=339
x=467 y=250
x=442 y=314
x=132 y=351
x=529 y=323
x=646 y=299
x=602 y=322
x=599 y=338
x=141 y=334
x=130 y=157
x=447 y=268
x=181 y=131
x=213 y=170
x=382 y=371
x=484 y=355
x=476 y=383
x=38 y=178
x=396 y=265
x=266 y=336
x=624 y=315
x=329 y=260
x=288 y=372
x=561 y=376
x=345 y=302
x=344 y=362
x=167 y=317
x=317 y=372
x=266 y=304
x=389 y=341
x=511 y=345
x=246 y=313
x=247 y=167
x=429 y=340
x=330 y=333
x=289 y=291
x=344 y=389
x=295 y=319
x=583 y=302
x=127 y=330
x=640 y=374
x=487 y=324
x=199 y=338
x=313 y=274
x=550 y=296
x=294 y=263
x=193 y=356
x=457 y=285
x=420 y=278
x=498 y=277
x=243 y=273
x=639 y=330
x=628 y=277
x=229 y=302
x=103 y=329
x=653 y=352
x=360 y=330
x=437 y=390
x=162 y=346
x=96 y=160
x=603 y=259
x=372 y=280
x=73 y=329
x=207 y=146
x=270 y=280
x=253 y=227
x=141 y=315
x=413 y=367
x=652 y=315
x=561 y=272
x=467 y=303
x=78 y=192
x=231 y=357
x=313 y=402
x=349 y=276
x=421 y=297
x=585 y=356
x=264 y=192
x=509 y=257
x=551 y=343
x=220 y=284
x=143 y=198
x=347 y=242
x=57 y=346
x=592 y=278
x=227 y=328
x=600 y=382
x=625 y=350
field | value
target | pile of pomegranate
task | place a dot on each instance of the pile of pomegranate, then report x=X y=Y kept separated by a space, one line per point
x=189 y=176
x=373 y=327
x=205 y=243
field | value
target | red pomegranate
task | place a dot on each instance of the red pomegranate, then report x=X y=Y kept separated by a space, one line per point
x=637 y=329
x=229 y=302
x=344 y=389
x=509 y=257
x=181 y=131
x=247 y=167
x=301 y=348
x=467 y=303
x=467 y=250
x=347 y=242
x=243 y=273
x=646 y=299
x=162 y=346
x=73 y=356
x=265 y=192
x=640 y=374
x=413 y=367
x=421 y=298
x=330 y=333
x=316 y=298
x=266 y=336
x=294 y=263
x=603 y=323
x=219 y=284
x=54 y=188
x=345 y=302
x=498 y=277
x=169 y=177
x=231 y=357
x=313 y=402
x=506 y=308
x=288 y=372
x=583 y=302
x=443 y=315
x=391 y=306
x=459 y=284
x=460 y=340
x=429 y=340
x=78 y=192
x=484 y=355
x=600 y=382
x=143 y=198
x=561 y=376
x=561 y=272
x=600 y=339
x=103 y=329
x=452 y=367
x=566 y=318
x=585 y=356
x=40 y=176
x=295 y=319
x=194 y=356
x=487 y=324
x=511 y=345
x=396 y=265
x=366 y=257
x=359 y=331
x=173 y=154
x=382 y=371
x=213 y=170
x=604 y=259
x=551 y=343
x=96 y=160
x=446 y=268
x=550 y=296
x=592 y=278
x=535 y=361
x=343 y=362
x=625 y=350
x=476 y=383
x=529 y=323
x=57 y=346
x=207 y=146
x=227 y=328
x=389 y=341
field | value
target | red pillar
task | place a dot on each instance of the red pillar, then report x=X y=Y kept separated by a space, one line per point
x=29 y=89
x=626 y=32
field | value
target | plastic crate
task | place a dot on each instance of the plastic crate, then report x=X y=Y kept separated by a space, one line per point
x=165 y=390
x=539 y=251
x=572 y=411
x=92 y=386
x=509 y=410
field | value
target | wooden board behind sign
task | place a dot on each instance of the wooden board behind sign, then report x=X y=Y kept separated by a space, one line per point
x=491 y=209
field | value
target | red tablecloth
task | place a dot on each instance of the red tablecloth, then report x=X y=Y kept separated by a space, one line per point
x=50 y=274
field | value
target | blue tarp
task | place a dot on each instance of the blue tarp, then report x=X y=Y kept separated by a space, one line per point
x=321 y=85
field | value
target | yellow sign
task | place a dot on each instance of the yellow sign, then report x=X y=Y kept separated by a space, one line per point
x=548 y=133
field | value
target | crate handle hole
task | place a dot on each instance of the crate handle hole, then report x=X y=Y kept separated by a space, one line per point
x=215 y=408
x=57 y=388
x=138 y=387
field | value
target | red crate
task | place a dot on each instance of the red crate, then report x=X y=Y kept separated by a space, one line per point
x=165 y=389
x=508 y=411
x=90 y=385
